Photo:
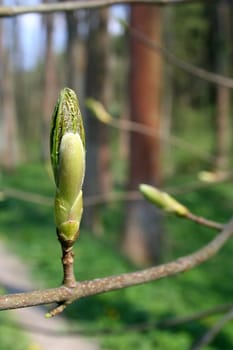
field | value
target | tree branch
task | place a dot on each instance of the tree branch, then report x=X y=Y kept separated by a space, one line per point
x=204 y=222
x=10 y=11
x=131 y=126
x=185 y=66
x=212 y=333
x=174 y=322
x=137 y=327
x=101 y=285
x=111 y=196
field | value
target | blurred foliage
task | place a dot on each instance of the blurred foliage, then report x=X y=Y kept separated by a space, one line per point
x=10 y=332
x=29 y=228
x=192 y=34
x=25 y=225
x=191 y=31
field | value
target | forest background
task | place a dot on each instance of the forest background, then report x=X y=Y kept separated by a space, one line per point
x=142 y=62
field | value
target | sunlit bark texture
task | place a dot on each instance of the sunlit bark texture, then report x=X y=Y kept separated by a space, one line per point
x=142 y=240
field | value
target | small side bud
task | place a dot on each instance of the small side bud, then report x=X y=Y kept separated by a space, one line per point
x=212 y=177
x=163 y=200
x=98 y=110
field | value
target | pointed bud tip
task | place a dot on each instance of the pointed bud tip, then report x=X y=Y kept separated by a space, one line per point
x=66 y=118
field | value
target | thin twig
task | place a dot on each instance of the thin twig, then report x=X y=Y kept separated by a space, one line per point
x=101 y=285
x=131 y=126
x=204 y=222
x=123 y=196
x=185 y=66
x=111 y=197
x=57 y=310
x=198 y=185
x=173 y=322
x=128 y=125
x=10 y=11
x=138 y=327
x=28 y=196
x=114 y=195
x=213 y=332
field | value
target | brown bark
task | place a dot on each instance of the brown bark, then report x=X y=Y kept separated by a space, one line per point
x=145 y=96
x=143 y=232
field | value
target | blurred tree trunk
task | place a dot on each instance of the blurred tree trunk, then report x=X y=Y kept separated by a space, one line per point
x=222 y=50
x=98 y=176
x=71 y=49
x=19 y=84
x=9 y=143
x=75 y=59
x=50 y=85
x=142 y=240
x=168 y=93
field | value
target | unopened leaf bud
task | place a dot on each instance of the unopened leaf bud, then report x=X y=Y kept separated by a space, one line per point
x=163 y=200
x=67 y=146
x=98 y=110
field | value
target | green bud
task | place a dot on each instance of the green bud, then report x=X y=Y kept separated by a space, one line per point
x=163 y=200
x=66 y=118
x=68 y=217
x=71 y=167
x=98 y=110
x=68 y=161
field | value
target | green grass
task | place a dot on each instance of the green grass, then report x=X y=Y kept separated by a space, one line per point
x=10 y=331
x=29 y=231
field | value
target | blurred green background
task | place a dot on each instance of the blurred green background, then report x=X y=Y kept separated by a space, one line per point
x=91 y=52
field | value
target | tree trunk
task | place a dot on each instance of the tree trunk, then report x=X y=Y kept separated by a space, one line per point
x=168 y=93
x=9 y=144
x=223 y=94
x=71 y=49
x=142 y=240
x=50 y=85
x=98 y=176
x=75 y=57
